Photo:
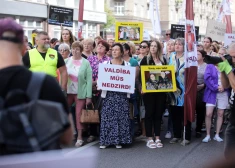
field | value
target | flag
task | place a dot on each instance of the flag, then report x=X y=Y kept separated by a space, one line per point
x=190 y=51
x=80 y=18
x=154 y=17
x=224 y=14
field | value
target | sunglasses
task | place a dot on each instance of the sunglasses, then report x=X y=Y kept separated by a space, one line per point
x=168 y=34
x=143 y=46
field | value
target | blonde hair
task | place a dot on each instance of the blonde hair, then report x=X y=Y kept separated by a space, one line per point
x=159 y=51
x=132 y=45
x=171 y=41
x=88 y=40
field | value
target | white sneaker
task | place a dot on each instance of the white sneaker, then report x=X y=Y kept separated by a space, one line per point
x=168 y=135
x=206 y=139
x=151 y=144
x=118 y=146
x=218 y=139
x=103 y=146
x=166 y=113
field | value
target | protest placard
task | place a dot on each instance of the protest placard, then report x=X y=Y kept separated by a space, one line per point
x=178 y=31
x=228 y=39
x=146 y=35
x=129 y=31
x=60 y=16
x=215 y=30
x=158 y=78
x=116 y=78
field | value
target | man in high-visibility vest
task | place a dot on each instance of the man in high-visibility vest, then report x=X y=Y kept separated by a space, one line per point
x=47 y=60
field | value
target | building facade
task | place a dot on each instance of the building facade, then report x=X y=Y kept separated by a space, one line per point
x=33 y=14
x=172 y=12
x=131 y=11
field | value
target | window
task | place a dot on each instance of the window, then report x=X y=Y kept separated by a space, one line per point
x=38 y=24
x=61 y=2
x=119 y=8
x=30 y=24
x=142 y=11
x=76 y=3
x=135 y=10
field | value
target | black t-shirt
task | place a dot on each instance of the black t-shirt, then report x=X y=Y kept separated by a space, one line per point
x=26 y=60
x=18 y=77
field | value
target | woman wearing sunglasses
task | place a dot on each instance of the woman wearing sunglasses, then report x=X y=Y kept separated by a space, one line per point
x=144 y=50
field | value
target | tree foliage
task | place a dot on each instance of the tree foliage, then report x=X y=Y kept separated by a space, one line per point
x=110 y=17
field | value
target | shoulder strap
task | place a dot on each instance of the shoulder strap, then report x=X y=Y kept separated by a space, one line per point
x=35 y=84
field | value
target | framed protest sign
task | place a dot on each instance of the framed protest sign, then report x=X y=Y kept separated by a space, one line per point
x=116 y=78
x=129 y=31
x=228 y=39
x=60 y=16
x=178 y=31
x=158 y=78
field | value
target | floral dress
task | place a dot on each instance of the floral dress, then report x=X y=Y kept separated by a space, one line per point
x=115 y=119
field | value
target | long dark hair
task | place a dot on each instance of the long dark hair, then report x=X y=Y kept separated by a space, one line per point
x=127 y=47
x=71 y=40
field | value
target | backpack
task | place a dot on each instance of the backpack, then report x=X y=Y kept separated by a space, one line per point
x=30 y=124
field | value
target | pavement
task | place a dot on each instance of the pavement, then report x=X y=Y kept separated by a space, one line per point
x=137 y=155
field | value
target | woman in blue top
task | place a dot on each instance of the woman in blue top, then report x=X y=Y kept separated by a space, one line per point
x=177 y=97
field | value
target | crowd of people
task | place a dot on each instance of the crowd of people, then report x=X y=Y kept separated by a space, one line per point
x=74 y=64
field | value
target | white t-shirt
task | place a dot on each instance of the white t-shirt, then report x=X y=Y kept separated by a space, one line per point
x=73 y=67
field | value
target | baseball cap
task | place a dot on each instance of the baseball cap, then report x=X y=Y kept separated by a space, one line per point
x=10 y=25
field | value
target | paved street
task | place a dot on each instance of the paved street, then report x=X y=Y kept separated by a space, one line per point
x=195 y=155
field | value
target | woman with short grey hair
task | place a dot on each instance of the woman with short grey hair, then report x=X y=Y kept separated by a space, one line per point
x=177 y=97
x=64 y=50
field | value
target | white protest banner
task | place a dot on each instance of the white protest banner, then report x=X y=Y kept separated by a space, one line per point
x=146 y=35
x=228 y=39
x=215 y=30
x=116 y=78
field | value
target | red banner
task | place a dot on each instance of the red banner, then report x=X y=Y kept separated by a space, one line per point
x=190 y=65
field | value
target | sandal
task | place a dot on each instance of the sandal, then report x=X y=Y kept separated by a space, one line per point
x=158 y=143
x=79 y=143
x=91 y=139
x=151 y=144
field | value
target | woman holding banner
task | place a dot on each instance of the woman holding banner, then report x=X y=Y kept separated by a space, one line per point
x=115 y=115
x=177 y=97
x=154 y=102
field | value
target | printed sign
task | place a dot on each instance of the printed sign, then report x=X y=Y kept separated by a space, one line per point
x=178 y=31
x=158 y=78
x=59 y=15
x=116 y=78
x=146 y=35
x=228 y=39
x=129 y=31
x=215 y=30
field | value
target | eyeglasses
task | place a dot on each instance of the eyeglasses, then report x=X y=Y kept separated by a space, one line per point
x=143 y=46
x=63 y=50
x=168 y=34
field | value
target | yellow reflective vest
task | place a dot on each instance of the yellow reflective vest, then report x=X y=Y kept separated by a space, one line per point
x=38 y=64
